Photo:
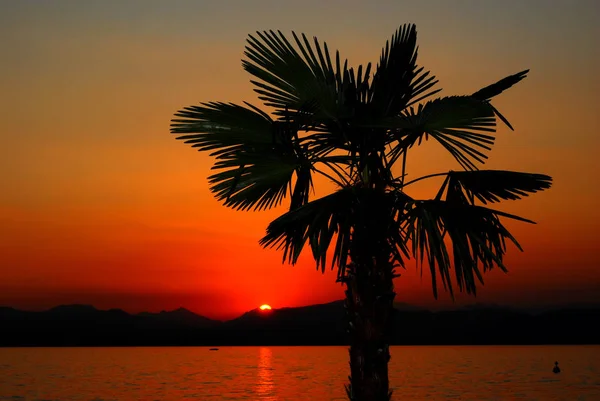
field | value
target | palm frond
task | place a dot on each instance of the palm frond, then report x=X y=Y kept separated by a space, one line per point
x=260 y=157
x=476 y=234
x=398 y=81
x=316 y=222
x=337 y=217
x=288 y=77
x=223 y=128
x=495 y=185
x=258 y=181
x=497 y=88
x=461 y=124
x=322 y=94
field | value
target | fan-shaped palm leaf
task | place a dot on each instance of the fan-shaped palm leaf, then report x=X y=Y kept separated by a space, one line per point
x=260 y=156
x=259 y=181
x=398 y=81
x=224 y=128
x=316 y=223
x=456 y=122
x=291 y=78
x=495 y=185
x=476 y=234
x=303 y=80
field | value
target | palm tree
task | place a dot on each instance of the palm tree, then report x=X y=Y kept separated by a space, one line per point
x=356 y=131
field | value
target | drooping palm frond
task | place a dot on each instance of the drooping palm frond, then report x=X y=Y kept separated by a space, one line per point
x=497 y=88
x=338 y=216
x=259 y=156
x=495 y=185
x=259 y=181
x=317 y=223
x=461 y=124
x=398 y=81
x=476 y=234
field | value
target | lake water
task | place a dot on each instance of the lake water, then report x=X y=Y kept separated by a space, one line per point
x=295 y=373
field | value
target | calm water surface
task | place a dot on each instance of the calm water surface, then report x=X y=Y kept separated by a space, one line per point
x=295 y=373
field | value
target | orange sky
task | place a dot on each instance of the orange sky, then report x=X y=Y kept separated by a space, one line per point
x=99 y=204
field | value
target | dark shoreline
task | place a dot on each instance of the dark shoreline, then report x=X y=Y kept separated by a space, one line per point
x=317 y=325
x=207 y=347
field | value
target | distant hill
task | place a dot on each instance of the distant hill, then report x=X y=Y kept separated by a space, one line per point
x=181 y=316
x=316 y=324
x=84 y=325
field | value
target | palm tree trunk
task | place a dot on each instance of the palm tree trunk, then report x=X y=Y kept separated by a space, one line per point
x=369 y=305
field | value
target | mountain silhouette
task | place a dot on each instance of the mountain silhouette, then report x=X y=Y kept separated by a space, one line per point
x=181 y=316
x=324 y=324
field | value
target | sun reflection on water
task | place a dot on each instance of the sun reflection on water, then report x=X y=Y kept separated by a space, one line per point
x=265 y=386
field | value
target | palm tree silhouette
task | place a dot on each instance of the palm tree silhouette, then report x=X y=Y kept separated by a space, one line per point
x=356 y=130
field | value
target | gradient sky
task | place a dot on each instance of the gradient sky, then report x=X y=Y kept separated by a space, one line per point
x=100 y=205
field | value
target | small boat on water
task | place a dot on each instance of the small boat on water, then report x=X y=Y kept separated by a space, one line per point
x=556 y=369
x=213 y=349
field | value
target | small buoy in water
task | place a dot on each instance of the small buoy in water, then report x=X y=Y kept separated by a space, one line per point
x=556 y=369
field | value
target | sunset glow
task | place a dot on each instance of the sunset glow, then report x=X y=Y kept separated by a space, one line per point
x=265 y=307
x=100 y=205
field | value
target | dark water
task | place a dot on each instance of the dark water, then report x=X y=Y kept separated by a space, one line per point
x=295 y=373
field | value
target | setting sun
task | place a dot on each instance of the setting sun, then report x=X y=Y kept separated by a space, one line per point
x=265 y=307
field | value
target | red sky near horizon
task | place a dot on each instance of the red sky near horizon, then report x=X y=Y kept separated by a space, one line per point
x=100 y=205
